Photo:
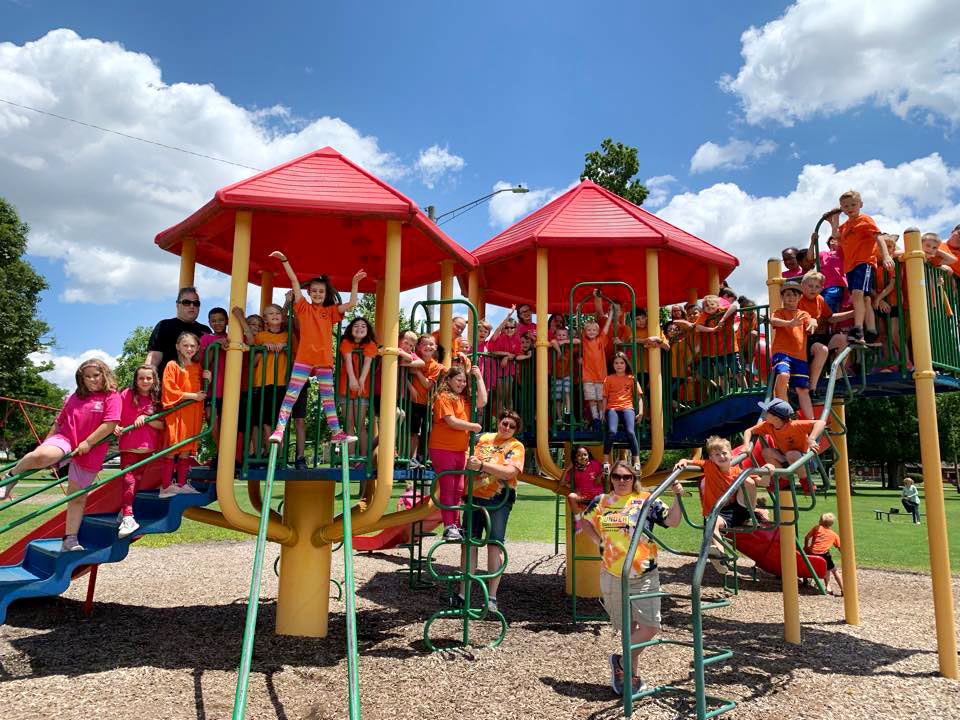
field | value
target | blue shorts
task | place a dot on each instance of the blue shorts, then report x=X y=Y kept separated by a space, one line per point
x=798 y=370
x=861 y=278
x=833 y=296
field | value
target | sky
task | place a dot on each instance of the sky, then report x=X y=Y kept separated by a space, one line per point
x=750 y=120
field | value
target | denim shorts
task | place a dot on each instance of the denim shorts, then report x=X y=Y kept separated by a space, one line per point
x=799 y=370
x=498 y=510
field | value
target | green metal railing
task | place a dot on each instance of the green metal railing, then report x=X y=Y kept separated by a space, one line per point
x=943 y=299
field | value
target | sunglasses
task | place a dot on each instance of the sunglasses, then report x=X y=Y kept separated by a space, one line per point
x=190 y=303
x=621 y=476
x=509 y=424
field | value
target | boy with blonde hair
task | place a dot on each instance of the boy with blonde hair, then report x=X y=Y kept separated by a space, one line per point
x=823 y=339
x=859 y=238
x=718 y=345
x=789 y=349
x=593 y=346
x=818 y=542
x=935 y=255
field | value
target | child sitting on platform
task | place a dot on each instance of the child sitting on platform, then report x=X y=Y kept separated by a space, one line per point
x=610 y=521
x=824 y=338
x=818 y=542
x=791 y=437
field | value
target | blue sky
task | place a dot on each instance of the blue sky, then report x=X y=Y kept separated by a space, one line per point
x=511 y=92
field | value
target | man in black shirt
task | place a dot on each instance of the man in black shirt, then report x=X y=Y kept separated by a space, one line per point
x=162 y=347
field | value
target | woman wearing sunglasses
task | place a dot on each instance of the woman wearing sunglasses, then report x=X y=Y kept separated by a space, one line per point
x=610 y=521
x=498 y=458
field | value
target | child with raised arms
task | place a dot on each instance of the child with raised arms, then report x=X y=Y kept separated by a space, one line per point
x=182 y=381
x=593 y=344
x=88 y=416
x=562 y=359
x=610 y=521
x=315 y=352
x=137 y=403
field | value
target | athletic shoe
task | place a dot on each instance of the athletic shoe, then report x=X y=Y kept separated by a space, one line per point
x=452 y=533
x=638 y=684
x=492 y=605
x=343 y=437
x=456 y=601
x=871 y=336
x=127 y=527
x=616 y=675
x=6 y=492
x=606 y=468
x=170 y=491
x=300 y=463
x=855 y=335
x=188 y=489
x=70 y=544
x=414 y=464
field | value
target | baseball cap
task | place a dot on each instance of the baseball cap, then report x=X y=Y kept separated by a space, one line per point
x=778 y=407
x=791 y=285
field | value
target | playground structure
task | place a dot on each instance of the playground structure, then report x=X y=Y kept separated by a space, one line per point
x=551 y=260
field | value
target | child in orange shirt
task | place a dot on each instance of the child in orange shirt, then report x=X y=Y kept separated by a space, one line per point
x=719 y=357
x=719 y=473
x=562 y=345
x=887 y=300
x=423 y=381
x=618 y=390
x=315 y=351
x=818 y=542
x=824 y=339
x=358 y=340
x=859 y=239
x=791 y=438
x=789 y=348
x=182 y=380
x=593 y=350
x=935 y=255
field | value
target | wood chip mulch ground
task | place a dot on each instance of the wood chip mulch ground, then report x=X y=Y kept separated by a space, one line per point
x=164 y=642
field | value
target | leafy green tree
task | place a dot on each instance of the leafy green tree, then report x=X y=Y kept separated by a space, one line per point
x=134 y=351
x=884 y=431
x=614 y=167
x=948 y=422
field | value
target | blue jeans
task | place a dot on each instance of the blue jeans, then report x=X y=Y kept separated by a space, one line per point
x=498 y=508
x=629 y=418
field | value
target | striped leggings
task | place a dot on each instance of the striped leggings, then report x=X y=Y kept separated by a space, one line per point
x=298 y=378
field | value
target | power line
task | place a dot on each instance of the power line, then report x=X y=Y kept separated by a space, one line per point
x=131 y=137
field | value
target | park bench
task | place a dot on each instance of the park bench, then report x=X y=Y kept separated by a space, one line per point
x=892 y=511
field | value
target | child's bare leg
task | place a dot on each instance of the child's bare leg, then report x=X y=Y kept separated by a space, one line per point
x=869 y=318
x=748 y=493
x=640 y=634
x=74 y=509
x=803 y=394
x=818 y=359
x=780 y=386
x=40 y=457
x=859 y=310
x=836 y=576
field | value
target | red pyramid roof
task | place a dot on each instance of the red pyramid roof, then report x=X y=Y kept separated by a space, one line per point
x=594 y=235
x=328 y=215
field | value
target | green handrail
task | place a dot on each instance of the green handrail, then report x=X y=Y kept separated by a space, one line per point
x=253 y=603
x=353 y=674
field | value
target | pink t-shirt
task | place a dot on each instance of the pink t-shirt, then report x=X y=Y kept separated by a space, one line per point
x=792 y=273
x=505 y=343
x=588 y=483
x=831 y=265
x=205 y=342
x=80 y=417
x=132 y=406
x=523 y=327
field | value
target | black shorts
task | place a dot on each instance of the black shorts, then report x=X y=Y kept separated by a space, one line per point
x=272 y=398
x=299 y=411
x=735 y=515
x=418 y=417
x=814 y=339
x=828 y=557
x=894 y=311
x=376 y=405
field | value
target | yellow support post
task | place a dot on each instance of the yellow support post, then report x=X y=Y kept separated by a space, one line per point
x=303 y=595
x=788 y=534
x=848 y=552
x=266 y=289
x=655 y=398
x=481 y=304
x=544 y=459
x=188 y=261
x=923 y=378
x=713 y=279
x=446 y=311
x=363 y=520
x=239 y=276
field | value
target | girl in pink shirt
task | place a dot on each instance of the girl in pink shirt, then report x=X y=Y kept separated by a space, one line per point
x=834 y=279
x=582 y=482
x=137 y=403
x=88 y=416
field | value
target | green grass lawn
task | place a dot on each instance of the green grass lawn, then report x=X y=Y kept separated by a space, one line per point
x=880 y=544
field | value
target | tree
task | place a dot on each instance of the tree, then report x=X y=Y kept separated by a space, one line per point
x=948 y=422
x=134 y=351
x=884 y=430
x=614 y=167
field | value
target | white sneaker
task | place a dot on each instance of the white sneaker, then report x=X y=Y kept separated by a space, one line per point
x=128 y=526
x=638 y=468
x=188 y=489
x=70 y=544
x=606 y=468
x=452 y=532
x=170 y=491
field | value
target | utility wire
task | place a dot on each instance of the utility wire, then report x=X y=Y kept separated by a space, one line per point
x=131 y=137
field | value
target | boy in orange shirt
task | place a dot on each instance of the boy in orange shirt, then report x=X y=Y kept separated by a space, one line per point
x=935 y=255
x=818 y=542
x=561 y=343
x=824 y=339
x=859 y=238
x=718 y=346
x=593 y=351
x=791 y=438
x=719 y=474
x=790 y=347
x=423 y=381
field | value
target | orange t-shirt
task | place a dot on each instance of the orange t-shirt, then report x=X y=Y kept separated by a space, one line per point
x=348 y=347
x=455 y=341
x=818 y=310
x=442 y=436
x=275 y=375
x=792 y=436
x=821 y=539
x=431 y=371
x=719 y=343
x=715 y=483
x=956 y=253
x=594 y=358
x=186 y=422
x=858 y=240
x=618 y=391
x=316 y=332
x=791 y=341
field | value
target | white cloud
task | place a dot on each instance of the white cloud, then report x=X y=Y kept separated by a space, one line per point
x=435 y=162
x=659 y=190
x=825 y=57
x=735 y=154
x=96 y=200
x=924 y=192
x=506 y=208
x=65 y=367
